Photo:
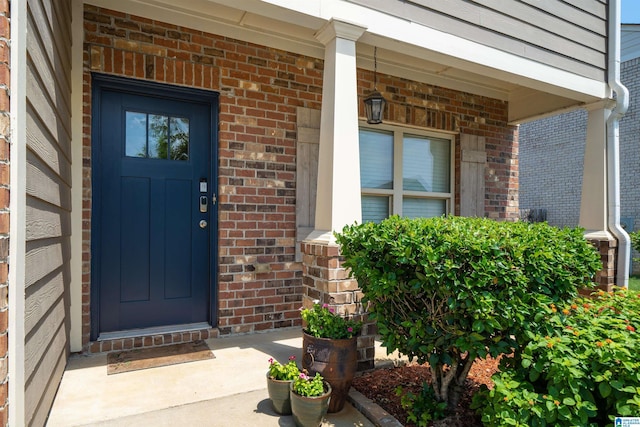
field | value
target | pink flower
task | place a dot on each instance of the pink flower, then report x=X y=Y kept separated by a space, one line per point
x=303 y=376
x=331 y=310
x=350 y=329
x=325 y=305
x=271 y=360
x=292 y=358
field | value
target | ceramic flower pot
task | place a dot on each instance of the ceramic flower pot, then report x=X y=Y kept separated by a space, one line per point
x=336 y=360
x=309 y=411
x=279 y=395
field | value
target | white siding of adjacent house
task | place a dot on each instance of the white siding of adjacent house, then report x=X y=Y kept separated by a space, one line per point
x=630 y=42
x=48 y=203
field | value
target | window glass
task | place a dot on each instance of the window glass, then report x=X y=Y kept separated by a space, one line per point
x=425 y=164
x=179 y=138
x=376 y=159
x=156 y=136
x=423 y=208
x=136 y=134
x=419 y=187
x=374 y=208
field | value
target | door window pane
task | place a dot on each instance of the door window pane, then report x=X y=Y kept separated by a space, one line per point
x=136 y=134
x=155 y=136
x=423 y=208
x=376 y=159
x=179 y=138
x=158 y=136
x=425 y=164
x=374 y=208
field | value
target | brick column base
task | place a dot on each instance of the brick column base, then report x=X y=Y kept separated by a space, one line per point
x=608 y=249
x=324 y=279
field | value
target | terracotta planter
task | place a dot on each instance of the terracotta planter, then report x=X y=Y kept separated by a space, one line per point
x=279 y=395
x=309 y=411
x=335 y=360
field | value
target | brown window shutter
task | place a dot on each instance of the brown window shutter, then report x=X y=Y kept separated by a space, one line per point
x=308 y=145
x=472 y=175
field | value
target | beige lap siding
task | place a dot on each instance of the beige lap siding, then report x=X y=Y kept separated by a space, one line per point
x=259 y=282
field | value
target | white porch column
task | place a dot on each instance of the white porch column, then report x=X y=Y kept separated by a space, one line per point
x=338 y=195
x=593 y=205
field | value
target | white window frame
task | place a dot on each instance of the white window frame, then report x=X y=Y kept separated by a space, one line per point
x=396 y=194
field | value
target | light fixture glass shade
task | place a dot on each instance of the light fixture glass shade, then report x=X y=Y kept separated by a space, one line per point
x=374 y=107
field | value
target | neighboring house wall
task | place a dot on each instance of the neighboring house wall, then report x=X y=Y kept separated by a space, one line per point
x=552 y=154
x=5 y=140
x=261 y=88
x=630 y=150
x=48 y=203
x=569 y=35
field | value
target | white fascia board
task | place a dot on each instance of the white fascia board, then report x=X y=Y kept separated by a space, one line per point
x=511 y=68
x=75 y=262
x=17 y=209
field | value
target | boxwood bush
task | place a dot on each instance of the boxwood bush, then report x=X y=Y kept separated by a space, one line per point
x=448 y=290
x=582 y=371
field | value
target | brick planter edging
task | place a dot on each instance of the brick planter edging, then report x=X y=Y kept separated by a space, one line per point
x=367 y=407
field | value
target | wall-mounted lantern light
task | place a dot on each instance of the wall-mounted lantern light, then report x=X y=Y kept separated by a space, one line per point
x=374 y=102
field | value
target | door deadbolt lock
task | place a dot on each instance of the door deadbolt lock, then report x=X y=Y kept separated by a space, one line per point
x=203 y=204
x=203 y=223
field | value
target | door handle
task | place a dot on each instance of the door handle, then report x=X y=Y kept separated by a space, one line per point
x=203 y=223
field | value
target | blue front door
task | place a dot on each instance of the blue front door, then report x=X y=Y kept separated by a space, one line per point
x=154 y=219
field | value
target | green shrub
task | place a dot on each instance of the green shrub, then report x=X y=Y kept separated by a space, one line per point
x=635 y=242
x=421 y=408
x=449 y=290
x=583 y=372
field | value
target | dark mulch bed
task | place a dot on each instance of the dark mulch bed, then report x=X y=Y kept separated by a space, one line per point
x=380 y=386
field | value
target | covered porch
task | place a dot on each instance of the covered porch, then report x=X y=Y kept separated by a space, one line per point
x=229 y=390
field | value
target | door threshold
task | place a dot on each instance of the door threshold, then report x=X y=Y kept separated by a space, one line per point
x=158 y=330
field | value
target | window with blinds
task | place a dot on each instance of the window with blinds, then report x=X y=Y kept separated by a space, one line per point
x=404 y=172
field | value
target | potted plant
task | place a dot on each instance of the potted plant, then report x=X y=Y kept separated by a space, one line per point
x=330 y=348
x=279 y=378
x=310 y=397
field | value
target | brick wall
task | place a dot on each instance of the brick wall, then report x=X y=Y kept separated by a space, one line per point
x=5 y=139
x=630 y=150
x=259 y=282
x=551 y=157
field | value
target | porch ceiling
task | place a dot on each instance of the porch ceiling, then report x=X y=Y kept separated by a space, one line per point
x=532 y=90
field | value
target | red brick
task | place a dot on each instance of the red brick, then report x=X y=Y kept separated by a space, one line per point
x=118 y=61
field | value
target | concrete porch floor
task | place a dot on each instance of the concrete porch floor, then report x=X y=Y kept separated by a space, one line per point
x=229 y=390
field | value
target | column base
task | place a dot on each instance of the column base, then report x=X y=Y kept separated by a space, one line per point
x=327 y=281
x=607 y=247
